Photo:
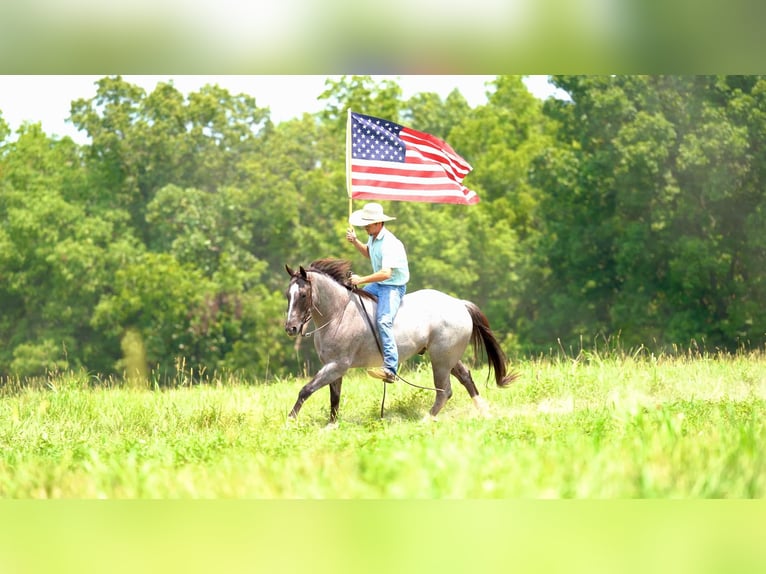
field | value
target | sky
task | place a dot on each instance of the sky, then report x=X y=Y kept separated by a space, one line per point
x=47 y=99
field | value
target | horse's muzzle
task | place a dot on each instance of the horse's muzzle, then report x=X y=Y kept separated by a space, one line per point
x=291 y=330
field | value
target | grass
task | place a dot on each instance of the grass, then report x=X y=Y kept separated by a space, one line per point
x=620 y=426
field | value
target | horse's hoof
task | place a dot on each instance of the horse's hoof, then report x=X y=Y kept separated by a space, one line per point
x=331 y=426
x=482 y=406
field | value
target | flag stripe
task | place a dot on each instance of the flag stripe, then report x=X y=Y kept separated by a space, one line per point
x=403 y=178
x=402 y=184
x=466 y=197
x=417 y=155
x=450 y=160
x=391 y=195
x=389 y=161
x=411 y=169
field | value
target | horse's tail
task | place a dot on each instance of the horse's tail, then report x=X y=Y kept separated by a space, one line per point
x=482 y=335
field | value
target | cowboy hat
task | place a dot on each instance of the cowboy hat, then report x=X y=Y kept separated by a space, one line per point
x=370 y=213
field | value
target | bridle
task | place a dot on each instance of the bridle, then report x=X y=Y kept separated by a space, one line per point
x=307 y=313
x=308 y=316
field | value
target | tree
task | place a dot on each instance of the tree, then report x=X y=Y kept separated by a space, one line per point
x=141 y=143
x=431 y=115
x=56 y=257
x=650 y=191
x=500 y=140
x=5 y=130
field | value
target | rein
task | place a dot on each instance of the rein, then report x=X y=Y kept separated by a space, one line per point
x=310 y=333
x=306 y=322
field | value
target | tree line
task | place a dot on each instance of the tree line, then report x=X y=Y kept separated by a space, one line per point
x=632 y=210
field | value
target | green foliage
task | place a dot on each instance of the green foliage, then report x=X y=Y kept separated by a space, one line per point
x=57 y=258
x=360 y=94
x=35 y=360
x=648 y=195
x=435 y=117
x=141 y=143
x=5 y=130
x=189 y=322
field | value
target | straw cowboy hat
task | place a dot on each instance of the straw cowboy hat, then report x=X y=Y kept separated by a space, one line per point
x=370 y=213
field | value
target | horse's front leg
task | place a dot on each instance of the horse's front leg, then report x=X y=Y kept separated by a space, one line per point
x=330 y=373
x=335 y=399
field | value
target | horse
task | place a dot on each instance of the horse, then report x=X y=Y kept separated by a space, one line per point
x=344 y=336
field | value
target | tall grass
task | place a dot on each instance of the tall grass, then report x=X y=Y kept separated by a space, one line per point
x=591 y=425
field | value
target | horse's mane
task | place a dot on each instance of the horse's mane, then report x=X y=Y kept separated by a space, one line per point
x=337 y=269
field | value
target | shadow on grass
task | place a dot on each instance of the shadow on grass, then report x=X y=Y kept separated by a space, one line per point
x=410 y=407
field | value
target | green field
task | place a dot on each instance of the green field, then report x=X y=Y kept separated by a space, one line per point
x=585 y=427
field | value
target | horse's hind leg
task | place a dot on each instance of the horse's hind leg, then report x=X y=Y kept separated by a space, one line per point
x=443 y=388
x=334 y=399
x=462 y=374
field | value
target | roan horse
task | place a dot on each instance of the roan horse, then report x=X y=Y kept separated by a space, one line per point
x=427 y=320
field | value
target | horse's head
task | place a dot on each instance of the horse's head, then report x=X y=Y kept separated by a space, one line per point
x=298 y=301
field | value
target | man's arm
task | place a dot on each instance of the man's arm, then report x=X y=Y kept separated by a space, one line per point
x=360 y=247
x=381 y=275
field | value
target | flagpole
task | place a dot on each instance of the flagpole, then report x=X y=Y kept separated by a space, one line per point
x=348 y=163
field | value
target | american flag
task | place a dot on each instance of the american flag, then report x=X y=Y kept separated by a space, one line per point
x=389 y=161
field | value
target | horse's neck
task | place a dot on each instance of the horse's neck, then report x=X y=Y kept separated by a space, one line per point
x=328 y=296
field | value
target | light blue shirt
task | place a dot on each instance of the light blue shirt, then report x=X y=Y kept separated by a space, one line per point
x=386 y=251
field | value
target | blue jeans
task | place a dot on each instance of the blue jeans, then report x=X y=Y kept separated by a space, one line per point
x=389 y=300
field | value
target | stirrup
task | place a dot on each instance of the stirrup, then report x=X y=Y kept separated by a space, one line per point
x=383 y=374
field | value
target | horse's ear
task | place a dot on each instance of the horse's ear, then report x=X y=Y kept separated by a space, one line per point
x=303 y=273
x=289 y=271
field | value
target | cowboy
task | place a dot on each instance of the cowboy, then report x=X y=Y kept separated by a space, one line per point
x=388 y=281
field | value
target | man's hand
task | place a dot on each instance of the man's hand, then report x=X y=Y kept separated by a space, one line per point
x=354 y=279
x=350 y=235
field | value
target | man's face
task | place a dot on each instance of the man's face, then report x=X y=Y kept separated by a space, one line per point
x=373 y=228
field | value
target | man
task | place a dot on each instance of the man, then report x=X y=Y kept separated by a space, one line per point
x=390 y=273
